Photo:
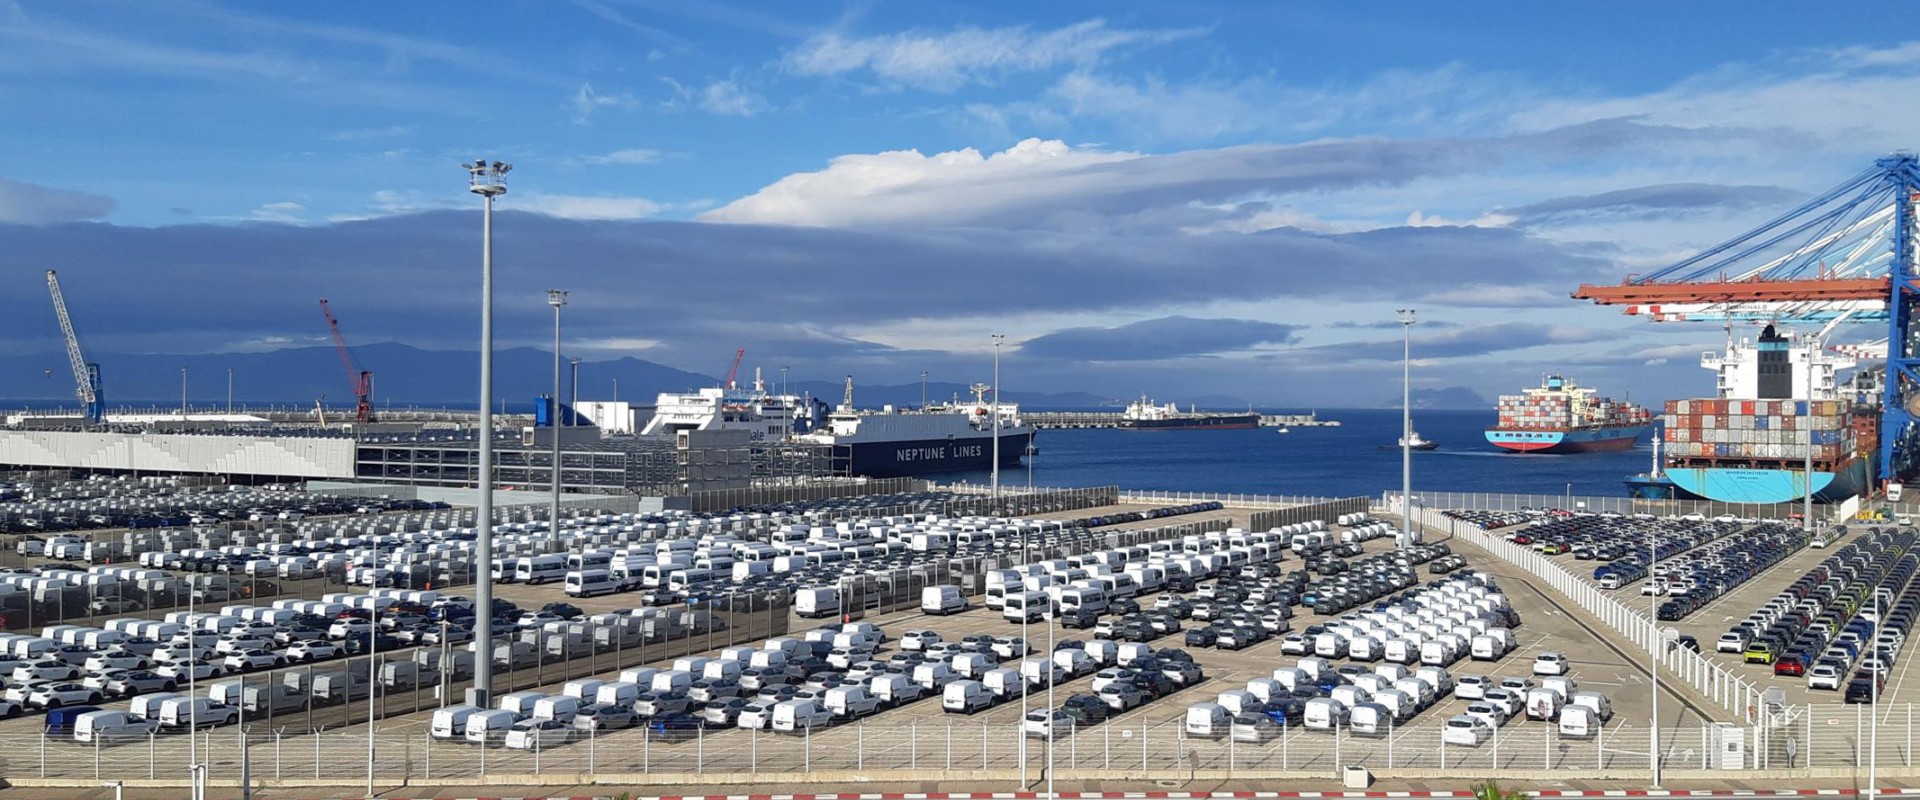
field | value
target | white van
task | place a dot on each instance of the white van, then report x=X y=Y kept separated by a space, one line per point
x=965 y=697
x=932 y=677
x=1370 y=719
x=1323 y=714
x=817 y=601
x=893 y=688
x=540 y=569
x=559 y=708
x=520 y=702
x=1208 y=721
x=1025 y=606
x=1083 y=598
x=590 y=582
x=490 y=726
x=1592 y=701
x=1579 y=722
x=451 y=722
x=111 y=726
x=798 y=715
x=1544 y=704
x=942 y=600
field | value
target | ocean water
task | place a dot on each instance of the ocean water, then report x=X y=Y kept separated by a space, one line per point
x=1344 y=461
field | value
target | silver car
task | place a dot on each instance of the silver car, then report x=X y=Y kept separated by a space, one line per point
x=603 y=717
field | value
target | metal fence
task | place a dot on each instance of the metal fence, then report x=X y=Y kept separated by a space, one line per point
x=1018 y=503
x=1487 y=501
x=878 y=747
x=1328 y=511
x=1740 y=698
x=725 y=499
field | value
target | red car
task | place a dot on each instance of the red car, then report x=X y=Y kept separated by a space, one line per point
x=1521 y=538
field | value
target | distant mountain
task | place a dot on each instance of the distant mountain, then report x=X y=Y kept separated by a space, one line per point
x=908 y=395
x=402 y=375
x=1452 y=397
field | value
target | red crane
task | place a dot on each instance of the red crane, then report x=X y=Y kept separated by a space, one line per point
x=734 y=371
x=361 y=379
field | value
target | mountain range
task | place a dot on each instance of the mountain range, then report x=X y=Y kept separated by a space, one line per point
x=406 y=375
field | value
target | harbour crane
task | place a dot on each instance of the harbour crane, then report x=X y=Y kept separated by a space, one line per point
x=734 y=371
x=1846 y=255
x=86 y=375
x=361 y=379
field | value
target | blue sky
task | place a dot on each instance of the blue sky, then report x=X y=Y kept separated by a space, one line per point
x=1196 y=198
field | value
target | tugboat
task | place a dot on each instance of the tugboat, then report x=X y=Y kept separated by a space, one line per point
x=1414 y=441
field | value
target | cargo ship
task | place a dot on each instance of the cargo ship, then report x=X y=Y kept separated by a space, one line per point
x=1755 y=442
x=892 y=443
x=1560 y=417
x=1654 y=483
x=1143 y=415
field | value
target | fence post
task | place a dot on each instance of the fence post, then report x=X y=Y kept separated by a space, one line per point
x=152 y=762
x=807 y=736
x=428 y=757
x=276 y=755
x=316 y=750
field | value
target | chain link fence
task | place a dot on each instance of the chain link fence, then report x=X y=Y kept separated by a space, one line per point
x=1327 y=511
x=1484 y=501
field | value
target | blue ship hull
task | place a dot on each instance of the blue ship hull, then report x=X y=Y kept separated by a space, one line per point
x=1575 y=440
x=1764 y=486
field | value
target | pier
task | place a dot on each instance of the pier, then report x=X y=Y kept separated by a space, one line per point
x=1111 y=419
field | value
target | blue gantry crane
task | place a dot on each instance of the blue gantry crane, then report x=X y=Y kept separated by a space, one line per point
x=1845 y=256
x=86 y=375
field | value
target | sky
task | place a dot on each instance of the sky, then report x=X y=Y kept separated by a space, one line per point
x=1195 y=199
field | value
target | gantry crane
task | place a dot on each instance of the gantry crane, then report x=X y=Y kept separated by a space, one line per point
x=361 y=379
x=1844 y=256
x=86 y=375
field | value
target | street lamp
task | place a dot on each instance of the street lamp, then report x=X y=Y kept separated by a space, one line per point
x=998 y=339
x=1657 y=642
x=183 y=395
x=229 y=390
x=573 y=395
x=1406 y=427
x=489 y=181
x=923 y=390
x=558 y=299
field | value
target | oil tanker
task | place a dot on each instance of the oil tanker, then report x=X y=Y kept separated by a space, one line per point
x=1143 y=415
x=1560 y=417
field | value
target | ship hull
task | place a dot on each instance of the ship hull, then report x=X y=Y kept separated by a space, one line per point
x=903 y=459
x=1771 y=485
x=1578 y=440
x=1210 y=422
x=1647 y=487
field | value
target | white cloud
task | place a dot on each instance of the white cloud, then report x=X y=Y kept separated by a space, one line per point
x=625 y=157
x=946 y=61
x=614 y=343
x=590 y=207
x=586 y=102
x=902 y=184
x=284 y=212
x=729 y=98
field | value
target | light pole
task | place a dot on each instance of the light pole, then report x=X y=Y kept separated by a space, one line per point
x=999 y=339
x=1406 y=427
x=183 y=395
x=558 y=299
x=783 y=379
x=229 y=390
x=1656 y=642
x=573 y=395
x=489 y=181
x=923 y=390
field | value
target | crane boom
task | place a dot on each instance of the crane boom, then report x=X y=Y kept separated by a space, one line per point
x=86 y=376
x=361 y=379
x=734 y=371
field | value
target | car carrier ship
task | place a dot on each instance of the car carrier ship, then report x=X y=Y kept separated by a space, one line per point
x=1561 y=417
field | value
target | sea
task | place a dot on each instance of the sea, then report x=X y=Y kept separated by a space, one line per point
x=1360 y=457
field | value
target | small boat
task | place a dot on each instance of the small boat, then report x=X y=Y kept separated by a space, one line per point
x=1413 y=441
x=1282 y=430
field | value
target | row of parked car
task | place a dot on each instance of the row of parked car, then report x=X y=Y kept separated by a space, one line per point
x=1826 y=623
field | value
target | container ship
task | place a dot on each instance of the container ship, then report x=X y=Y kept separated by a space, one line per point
x=1754 y=442
x=1143 y=415
x=1560 y=417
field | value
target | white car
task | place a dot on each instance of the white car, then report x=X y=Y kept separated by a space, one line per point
x=180 y=670
x=252 y=659
x=18 y=692
x=55 y=695
x=46 y=669
x=235 y=642
x=1495 y=714
x=1010 y=647
x=1825 y=676
x=538 y=734
x=1471 y=687
x=919 y=640
x=1550 y=664
x=1046 y=723
x=116 y=659
x=10 y=709
x=1731 y=642
x=1466 y=730
x=1506 y=699
x=755 y=716
x=1296 y=644
x=349 y=627
x=312 y=650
